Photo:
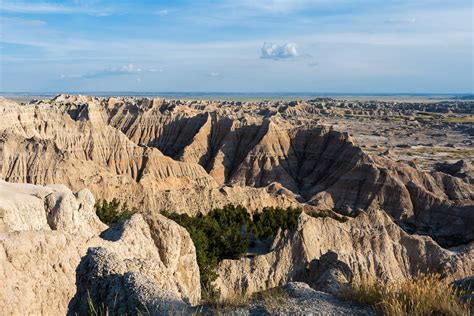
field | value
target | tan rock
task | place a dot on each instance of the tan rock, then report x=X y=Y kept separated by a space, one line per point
x=370 y=245
x=191 y=156
x=49 y=231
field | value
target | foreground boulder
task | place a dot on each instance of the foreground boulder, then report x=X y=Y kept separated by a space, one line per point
x=110 y=274
x=371 y=244
x=327 y=274
x=53 y=256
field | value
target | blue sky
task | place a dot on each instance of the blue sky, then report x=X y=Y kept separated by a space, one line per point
x=366 y=46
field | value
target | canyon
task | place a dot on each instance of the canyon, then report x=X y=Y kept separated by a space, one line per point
x=407 y=213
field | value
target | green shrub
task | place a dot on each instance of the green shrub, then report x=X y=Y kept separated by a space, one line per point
x=317 y=214
x=111 y=212
x=226 y=233
x=267 y=223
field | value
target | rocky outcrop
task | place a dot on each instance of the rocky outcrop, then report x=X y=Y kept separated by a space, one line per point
x=369 y=245
x=462 y=169
x=190 y=156
x=53 y=250
x=45 y=144
x=28 y=207
x=134 y=273
x=327 y=274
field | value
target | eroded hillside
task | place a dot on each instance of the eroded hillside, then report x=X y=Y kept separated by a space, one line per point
x=190 y=156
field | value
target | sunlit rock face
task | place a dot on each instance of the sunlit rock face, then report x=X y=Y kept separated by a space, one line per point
x=191 y=156
x=54 y=252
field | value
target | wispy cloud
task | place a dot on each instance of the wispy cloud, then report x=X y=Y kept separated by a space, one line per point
x=278 y=6
x=123 y=70
x=53 y=8
x=161 y=12
x=21 y=22
x=128 y=69
x=224 y=39
x=400 y=20
x=275 y=51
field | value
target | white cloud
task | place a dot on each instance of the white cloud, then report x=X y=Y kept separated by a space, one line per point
x=128 y=69
x=214 y=74
x=275 y=51
x=52 y=8
x=161 y=12
x=122 y=70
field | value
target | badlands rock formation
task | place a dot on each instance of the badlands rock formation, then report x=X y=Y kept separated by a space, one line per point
x=462 y=169
x=190 y=156
x=369 y=245
x=52 y=256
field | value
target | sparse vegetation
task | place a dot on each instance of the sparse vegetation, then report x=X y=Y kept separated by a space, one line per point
x=460 y=119
x=226 y=233
x=231 y=303
x=316 y=214
x=111 y=212
x=95 y=309
x=273 y=299
x=427 y=295
x=100 y=309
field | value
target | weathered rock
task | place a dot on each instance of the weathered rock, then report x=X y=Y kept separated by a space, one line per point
x=178 y=254
x=121 y=286
x=45 y=262
x=219 y=153
x=327 y=274
x=47 y=232
x=30 y=207
x=191 y=156
x=462 y=169
x=370 y=245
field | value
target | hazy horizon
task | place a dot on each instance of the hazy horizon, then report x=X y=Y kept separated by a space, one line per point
x=123 y=92
x=251 y=97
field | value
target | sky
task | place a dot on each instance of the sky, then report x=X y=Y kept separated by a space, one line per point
x=358 y=46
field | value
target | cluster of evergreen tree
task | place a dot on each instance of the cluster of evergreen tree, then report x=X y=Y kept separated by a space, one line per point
x=318 y=214
x=226 y=233
x=111 y=212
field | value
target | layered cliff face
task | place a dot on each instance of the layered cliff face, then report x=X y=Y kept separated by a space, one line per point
x=44 y=144
x=53 y=256
x=191 y=156
x=369 y=245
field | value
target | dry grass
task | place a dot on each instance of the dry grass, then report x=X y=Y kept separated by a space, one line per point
x=425 y=295
x=460 y=119
x=230 y=303
x=273 y=299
